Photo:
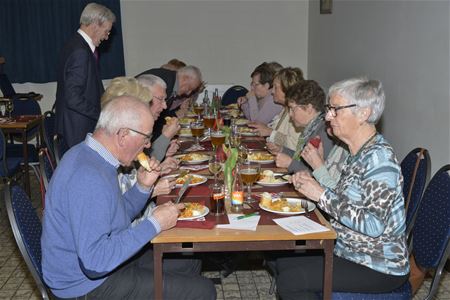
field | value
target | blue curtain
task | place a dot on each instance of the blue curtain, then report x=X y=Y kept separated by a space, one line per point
x=32 y=33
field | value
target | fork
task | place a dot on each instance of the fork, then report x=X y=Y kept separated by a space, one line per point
x=304 y=205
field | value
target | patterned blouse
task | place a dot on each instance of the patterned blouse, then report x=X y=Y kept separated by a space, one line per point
x=367 y=210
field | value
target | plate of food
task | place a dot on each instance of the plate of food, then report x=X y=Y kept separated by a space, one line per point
x=261 y=157
x=191 y=114
x=233 y=106
x=185 y=122
x=241 y=122
x=185 y=132
x=284 y=206
x=192 y=211
x=193 y=158
x=247 y=131
x=269 y=178
x=196 y=179
x=234 y=113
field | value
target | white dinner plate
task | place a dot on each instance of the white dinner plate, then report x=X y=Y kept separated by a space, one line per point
x=311 y=207
x=247 y=133
x=241 y=122
x=202 y=214
x=203 y=179
x=281 y=181
x=192 y=162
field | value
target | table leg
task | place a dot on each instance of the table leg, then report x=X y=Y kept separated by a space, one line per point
x=26 y=167
x=328 y=269
x=158 y=272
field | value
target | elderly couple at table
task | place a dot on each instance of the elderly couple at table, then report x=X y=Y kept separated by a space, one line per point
x=90 y=247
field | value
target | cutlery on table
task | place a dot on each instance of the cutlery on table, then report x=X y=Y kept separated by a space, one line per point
x=183 y=189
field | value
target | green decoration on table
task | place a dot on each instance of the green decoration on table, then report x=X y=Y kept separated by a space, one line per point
x=230 y=163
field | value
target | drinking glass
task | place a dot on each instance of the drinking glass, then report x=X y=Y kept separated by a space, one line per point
x=198 y=109
x=217 y=139
x=215 y=166
x=217 y=200
x=9 y=108
x=197 y=129
x=249 y=172
x=208 y=120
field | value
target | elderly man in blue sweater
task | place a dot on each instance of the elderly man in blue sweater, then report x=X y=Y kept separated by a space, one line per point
x=89 y=247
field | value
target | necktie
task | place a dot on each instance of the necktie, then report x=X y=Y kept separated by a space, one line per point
x=96 y=54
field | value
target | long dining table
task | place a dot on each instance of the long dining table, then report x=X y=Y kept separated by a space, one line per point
x=203 y=236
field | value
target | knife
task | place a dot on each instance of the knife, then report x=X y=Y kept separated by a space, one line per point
x=183 y=189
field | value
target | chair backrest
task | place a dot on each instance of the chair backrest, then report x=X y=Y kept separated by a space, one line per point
x=6 y=86
x=46 y=170
x=27 y=229
x=26 y=107
x=416 y=169
x=49 y=131
x=431 y=232
x=232 y=94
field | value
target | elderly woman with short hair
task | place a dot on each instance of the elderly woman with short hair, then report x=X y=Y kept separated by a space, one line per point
x=366 y=206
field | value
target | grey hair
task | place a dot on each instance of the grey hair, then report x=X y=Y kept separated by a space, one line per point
x=150 y=80
x=192 y=72
x=363 y=92
x=96 y=13
x=122 y=112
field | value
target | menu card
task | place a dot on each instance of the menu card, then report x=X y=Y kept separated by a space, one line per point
x=300 y=225
x=248 y=223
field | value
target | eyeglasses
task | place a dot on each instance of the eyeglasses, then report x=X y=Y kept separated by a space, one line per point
x=148 y=137
x=334 y=109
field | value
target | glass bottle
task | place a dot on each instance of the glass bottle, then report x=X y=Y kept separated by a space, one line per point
x=206 y=101
x=237 y=193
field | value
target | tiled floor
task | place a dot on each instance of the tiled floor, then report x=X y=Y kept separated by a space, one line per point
x=245 y=283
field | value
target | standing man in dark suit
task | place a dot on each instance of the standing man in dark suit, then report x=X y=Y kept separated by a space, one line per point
x=79 y=84
x=181 y=85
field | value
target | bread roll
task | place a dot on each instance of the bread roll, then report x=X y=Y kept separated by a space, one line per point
x=143 y=160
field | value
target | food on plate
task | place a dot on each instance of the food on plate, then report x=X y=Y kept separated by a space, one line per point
x=186 y=121
x=266 y=199
x=143 y=160
x=234 y=113
x=193 y=157
x=241 y=121
x=281 y=205
x=246 y=130
x=232 y=106
x=267 y=176
x=195 y=179
x=260 y=156
x=192 y=209
x=185 y=131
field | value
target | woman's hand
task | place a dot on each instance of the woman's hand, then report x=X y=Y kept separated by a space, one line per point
x=260 y=128
x=273 y=148
x=283 y=160
x=308 y=186
x=313 y=156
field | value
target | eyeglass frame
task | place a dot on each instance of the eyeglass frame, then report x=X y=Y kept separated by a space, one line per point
x=334 y=109
x=148 y=137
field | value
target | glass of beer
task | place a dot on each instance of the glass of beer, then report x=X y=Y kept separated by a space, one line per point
x=249 y=172
x=197 y=129
x=198 y=109
x=208 y=120
x=215 y=166
x=217 y=199
x=217 y=139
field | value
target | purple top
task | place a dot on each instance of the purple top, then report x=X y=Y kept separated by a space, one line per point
x=263 y=110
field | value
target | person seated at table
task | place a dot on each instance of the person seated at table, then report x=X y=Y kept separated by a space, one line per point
x=326 y=171
x=89 y=248
x=180 y=86
x=306 y=101
x=174 y=64
x=281 y=130
x=129 y=86
x=259 y=106
x=366 y=206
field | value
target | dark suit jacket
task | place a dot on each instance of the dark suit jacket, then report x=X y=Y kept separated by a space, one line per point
x=169 y=78
x=78 y=91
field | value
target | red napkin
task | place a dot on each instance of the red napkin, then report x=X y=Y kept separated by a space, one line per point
x=315 y=141
x=207 y=224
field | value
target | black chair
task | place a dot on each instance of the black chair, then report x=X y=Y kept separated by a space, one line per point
x=232 y=94
x=46 y=168
x=416 y=169
x=9 y=166
x=27 y=229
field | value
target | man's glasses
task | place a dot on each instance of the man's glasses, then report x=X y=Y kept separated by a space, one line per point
x=148 y=137
x=334 y=109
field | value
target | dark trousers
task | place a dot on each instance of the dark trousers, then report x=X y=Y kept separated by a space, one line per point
x=134 y=280
x=301 y=277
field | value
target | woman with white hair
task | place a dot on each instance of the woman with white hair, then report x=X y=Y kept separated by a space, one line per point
x=366 y=207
